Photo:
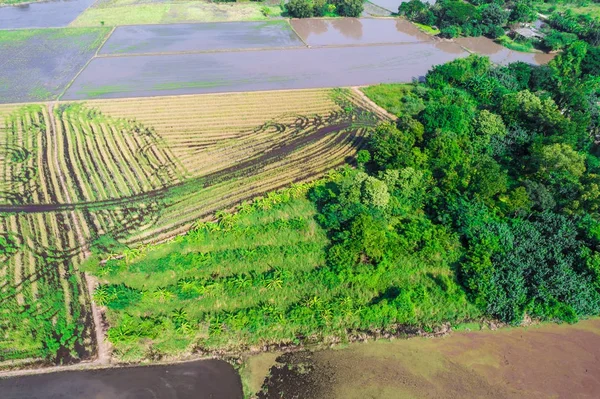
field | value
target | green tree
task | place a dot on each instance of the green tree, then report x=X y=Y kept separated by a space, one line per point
x=522 y=11
x=300 y=8
x=350 y=8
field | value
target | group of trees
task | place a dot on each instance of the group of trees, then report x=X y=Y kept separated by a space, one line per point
x=321 y=8
x=584 y=27
x=497 y=164
x=493 y=18
x=458 y=18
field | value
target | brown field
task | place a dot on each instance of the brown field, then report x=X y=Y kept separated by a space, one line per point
x=547 y=361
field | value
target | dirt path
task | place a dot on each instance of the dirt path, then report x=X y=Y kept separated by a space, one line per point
x=374 y=106
x=101 y=346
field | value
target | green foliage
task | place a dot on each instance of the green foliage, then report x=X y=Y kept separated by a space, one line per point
x=556 y=40
x=510 y=173
x=324 y=8
x=522 y=11
x=300 y=8
x=350 y=8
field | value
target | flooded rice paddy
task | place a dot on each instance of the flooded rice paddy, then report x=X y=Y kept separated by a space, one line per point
x=48 y=14
x=258 y=70
x=214 y=379
x=500 y=54
x=200 y=37
x=351 y=31
x=549 y=361
x=37 y=65
x=202 y=58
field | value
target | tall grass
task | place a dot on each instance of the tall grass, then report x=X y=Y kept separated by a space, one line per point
x=259 y=277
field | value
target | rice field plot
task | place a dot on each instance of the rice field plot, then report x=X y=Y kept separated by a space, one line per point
x=81 y=178
x=233 y=147
x=200 y=37
x=41 y=14
x=43 y=298
x=38 y=64
x=174 y=74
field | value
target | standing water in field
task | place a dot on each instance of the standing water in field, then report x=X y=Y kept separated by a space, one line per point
x=500 y=54
x=213 y=379
x=353 y=31
x=200 y=37
x=50 y=14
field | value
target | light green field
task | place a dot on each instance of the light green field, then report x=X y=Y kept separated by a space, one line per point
x=592 y=8
x=126 y=12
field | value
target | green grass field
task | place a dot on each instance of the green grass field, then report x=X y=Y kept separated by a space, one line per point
x=257 y=277
x=126 y=12
x=589 y=7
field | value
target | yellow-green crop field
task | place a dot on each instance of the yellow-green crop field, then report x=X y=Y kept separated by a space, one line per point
x=100 y=176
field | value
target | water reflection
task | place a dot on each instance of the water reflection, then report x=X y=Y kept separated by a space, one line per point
x=449 y=47
x=42 y=15
x=351 y=31
x=500 y=54
x=349 y=27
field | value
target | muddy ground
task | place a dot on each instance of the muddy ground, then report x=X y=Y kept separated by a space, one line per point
x=200 y=37
x=561 y=361
x=214 y=379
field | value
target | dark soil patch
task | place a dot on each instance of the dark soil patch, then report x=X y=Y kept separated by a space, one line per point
x=201 y=379
x=297 y=376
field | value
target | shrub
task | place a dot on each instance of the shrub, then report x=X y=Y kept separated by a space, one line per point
x=300 y=8
x=350 y=8
x=450 y=31
x=495 y=32
x=266 y=11
x=556 y=40
x=319 y=8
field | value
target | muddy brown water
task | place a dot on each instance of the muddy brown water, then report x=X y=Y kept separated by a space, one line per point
x=538 y=362
x=349 y=31
x=213 y=379
x=500 y=54
x=200 y=37
x=150 y=75
x=48 y=14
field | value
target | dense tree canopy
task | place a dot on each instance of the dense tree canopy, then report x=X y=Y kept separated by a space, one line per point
x=497 y=167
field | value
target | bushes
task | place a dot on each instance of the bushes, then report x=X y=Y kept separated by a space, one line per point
x=300 y=8
x=350 y=8
x=319 y=8
x=556 y=40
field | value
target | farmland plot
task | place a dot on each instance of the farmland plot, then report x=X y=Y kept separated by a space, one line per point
x=200 y=37
x=38 y=64
x=151 y=75
x=78 y=178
